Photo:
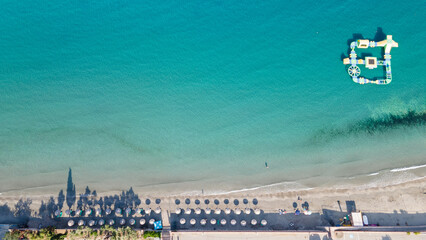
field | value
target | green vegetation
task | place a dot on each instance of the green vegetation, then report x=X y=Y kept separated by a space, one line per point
x=152 y=234
x=106 y=232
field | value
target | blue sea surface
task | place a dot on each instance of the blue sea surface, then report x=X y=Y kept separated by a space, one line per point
x=203 y=94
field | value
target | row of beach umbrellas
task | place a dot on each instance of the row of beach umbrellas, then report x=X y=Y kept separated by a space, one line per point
x=213 y=221
x=108 y=211
x=217 y=211
x=111 y=222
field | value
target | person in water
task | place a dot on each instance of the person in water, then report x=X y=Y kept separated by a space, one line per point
x=266 y=165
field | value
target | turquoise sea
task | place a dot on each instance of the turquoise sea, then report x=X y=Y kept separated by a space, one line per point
x=191 y=96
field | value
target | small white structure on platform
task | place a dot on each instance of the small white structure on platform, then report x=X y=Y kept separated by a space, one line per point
x=253 y=222
x=122 y=221
x=192 y=221
x=68 y=212
x=70 y=223
x=111 y=222
x=208 y=211
x=197 y=211
x=243 y=223
x=263 y=222
x=128 y=211
x=188 y=211
x=213 y=221
x=217 y=211
x=247 y=210
x=370 y=62
x=182 y=221
x=356 y=219
x=108 y=211
x=178 y=210
x=233 y=222
x=203 y=221
x=223 y=222
x=158 y=210
x=151 y=221
x=132 y=221
x=148 y=211
x=142 y=221
x=227 y=210
x=257 y=211
x=81 y=222
x=237 y=211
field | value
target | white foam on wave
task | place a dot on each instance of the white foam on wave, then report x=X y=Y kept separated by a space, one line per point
x=374 y=174
x=407 y=168
x=266 y=186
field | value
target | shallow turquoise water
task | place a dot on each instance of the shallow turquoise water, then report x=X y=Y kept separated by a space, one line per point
x=192 y=91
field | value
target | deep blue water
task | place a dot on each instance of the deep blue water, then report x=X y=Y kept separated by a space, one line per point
x=185 y=91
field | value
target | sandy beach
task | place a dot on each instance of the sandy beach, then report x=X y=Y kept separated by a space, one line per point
x=402 y=204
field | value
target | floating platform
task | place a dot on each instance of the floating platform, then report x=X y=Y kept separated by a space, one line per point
x=370 y=62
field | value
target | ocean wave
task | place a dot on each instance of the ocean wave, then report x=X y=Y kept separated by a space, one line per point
x=373 y=174
x=407 y=168
x=300 y=188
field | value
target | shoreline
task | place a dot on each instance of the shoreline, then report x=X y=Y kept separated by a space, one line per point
x=383 y=178
x=322 y=196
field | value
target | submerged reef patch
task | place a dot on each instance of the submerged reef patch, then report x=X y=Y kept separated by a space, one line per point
x=370 y=126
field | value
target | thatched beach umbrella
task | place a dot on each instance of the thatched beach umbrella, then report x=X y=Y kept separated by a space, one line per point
x=188 y=211
x=91 y=223
x=81 y=222
x=58 y=213
x=151 y=221
x=132 y=221
x=88 y=211
x=247 y=210
x=148 y=211
x=263 y=222
x=233 y=222
x=142 y=221
x=213 y=221
x=158 y=210
x=111 y=222
x=243 y=223
x=182 y=221
x=192 y=221
x=139 y=210
x=178 y=210
x=257 y=211
x=118 y=211
x=253 y=222
x=197 y=211
x=122 y=221
x=237 y=211
x=227 y=210
x=68 y=212
x=223 y=222
x=70 y=223
x=80 y=212
x=203 y=221
x=208 y=211
x=101 y=222
x=128 y=211
x=217 y=211
x=108 y=211
x=98 y=212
